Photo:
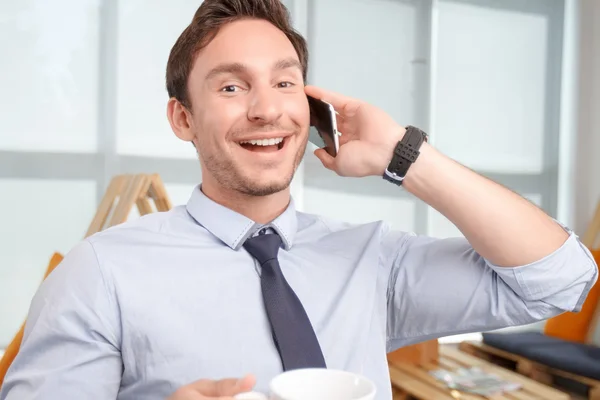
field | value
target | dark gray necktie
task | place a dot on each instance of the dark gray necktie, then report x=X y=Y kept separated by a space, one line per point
x=293 y=333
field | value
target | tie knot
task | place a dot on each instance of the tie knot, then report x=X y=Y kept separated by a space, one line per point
x=263 y=247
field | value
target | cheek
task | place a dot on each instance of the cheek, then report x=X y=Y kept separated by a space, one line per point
x=296 y=108
x=218 y=118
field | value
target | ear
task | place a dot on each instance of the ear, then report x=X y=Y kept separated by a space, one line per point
x=180 y=119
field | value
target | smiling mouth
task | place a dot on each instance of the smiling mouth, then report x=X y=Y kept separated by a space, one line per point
x=264 y=145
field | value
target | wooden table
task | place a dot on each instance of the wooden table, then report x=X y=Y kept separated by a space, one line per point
x=414 y=381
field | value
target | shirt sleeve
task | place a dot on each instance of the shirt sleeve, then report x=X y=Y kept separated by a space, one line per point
x=70 y=348
x=442 y=287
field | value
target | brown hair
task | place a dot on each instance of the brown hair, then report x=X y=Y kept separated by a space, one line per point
x=205 y=25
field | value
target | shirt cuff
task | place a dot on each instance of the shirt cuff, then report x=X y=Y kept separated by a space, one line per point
x=563 y=278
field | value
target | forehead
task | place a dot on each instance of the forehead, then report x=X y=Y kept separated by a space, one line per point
x=255 y=43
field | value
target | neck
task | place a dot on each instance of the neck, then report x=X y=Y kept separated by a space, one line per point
x=260 y=209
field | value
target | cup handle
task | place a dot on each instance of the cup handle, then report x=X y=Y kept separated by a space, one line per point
x=250 y=396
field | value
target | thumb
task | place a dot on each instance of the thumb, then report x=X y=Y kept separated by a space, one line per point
x=326 y=159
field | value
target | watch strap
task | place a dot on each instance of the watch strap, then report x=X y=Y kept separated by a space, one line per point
x=405 y=154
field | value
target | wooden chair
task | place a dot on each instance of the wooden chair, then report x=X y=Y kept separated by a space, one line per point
x=123 y=192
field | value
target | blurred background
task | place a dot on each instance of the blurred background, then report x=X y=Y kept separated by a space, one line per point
x=507 y=87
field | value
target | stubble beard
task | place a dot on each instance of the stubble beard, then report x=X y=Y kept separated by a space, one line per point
x=228 y=176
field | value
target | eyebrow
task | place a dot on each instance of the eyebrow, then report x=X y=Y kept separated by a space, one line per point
x=237 y=68
x=287 y=63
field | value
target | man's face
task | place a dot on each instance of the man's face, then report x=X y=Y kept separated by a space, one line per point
x=250 y=114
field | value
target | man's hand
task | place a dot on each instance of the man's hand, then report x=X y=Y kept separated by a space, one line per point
x=369 y=136
x=206 y=389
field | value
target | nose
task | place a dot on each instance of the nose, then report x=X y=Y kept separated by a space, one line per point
x=265 y=106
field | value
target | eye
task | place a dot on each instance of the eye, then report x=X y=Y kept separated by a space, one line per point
x=285 y=85
x=230 y=88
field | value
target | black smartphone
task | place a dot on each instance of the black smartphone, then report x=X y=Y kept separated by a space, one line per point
x=323 y=132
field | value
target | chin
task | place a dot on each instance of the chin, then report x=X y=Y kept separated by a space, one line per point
x=265 y=187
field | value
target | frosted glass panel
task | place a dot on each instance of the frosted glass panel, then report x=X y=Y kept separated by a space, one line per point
x=48 y=75
x=492 y=82
x=39 y=217
x=147 y=31
x=370 y=53
x=180 y=193
x=360 y=208
x=440 y=226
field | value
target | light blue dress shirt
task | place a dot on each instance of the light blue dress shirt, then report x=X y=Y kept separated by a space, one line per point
x=138 y=310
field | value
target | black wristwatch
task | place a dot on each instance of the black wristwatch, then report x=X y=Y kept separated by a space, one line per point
x=405 y=153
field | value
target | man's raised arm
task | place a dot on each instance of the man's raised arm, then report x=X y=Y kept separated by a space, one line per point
x=516 y=265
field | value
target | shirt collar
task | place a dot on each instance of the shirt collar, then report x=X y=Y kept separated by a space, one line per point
x=233 y=228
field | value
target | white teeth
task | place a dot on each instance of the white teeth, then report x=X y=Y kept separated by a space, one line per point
x=264 y=142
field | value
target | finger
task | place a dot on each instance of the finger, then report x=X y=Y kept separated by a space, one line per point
x=245 y=384
x=344 y=138
x=326 y=159
x=224 y=387
x=340 y=122
x=346 y=106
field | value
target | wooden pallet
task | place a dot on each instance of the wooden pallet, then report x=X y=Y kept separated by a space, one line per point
x=534 y=370
x=413 y=381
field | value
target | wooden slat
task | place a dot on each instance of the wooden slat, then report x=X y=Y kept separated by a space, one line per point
x=522 y=395
x=448 y=363
x=528 y=384
x=159 y=194
x=137 y=185
x=144 y=206
x=470 y=347
x=416 y=387
x=112 y=192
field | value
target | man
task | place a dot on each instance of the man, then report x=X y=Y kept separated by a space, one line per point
x=216 y=297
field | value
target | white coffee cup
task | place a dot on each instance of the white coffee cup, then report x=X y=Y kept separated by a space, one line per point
x=316 y=384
